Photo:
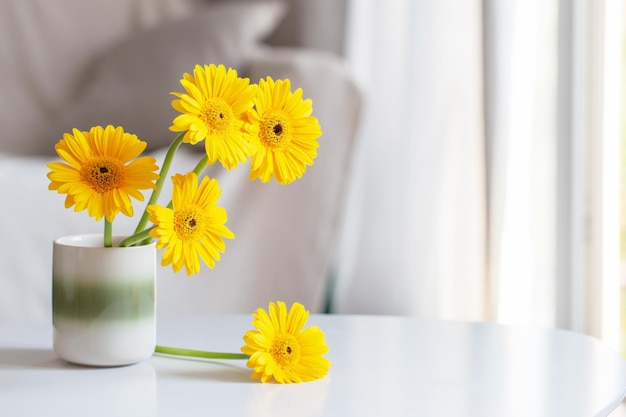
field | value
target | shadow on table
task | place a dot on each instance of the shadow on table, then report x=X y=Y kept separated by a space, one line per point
x=208 y=370
x=36 y=358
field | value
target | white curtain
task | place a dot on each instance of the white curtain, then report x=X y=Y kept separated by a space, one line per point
x=416 y=235
x=521 y=68
x=473 y=195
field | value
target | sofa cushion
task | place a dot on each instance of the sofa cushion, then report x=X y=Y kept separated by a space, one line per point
x=44 y=48
x=74 y=73
x=286 y=235
x=130 y=84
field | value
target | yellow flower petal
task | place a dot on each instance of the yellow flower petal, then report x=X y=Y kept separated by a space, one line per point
x=193 y=229
x=280 y=349
x=284 y=134
x=213 y=108
x=101 y=171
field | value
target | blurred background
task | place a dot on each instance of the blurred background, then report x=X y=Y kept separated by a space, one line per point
x=487 y=179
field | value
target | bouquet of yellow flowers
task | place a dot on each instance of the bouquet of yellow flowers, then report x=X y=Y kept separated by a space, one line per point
x=102 y=170
x=236 y=120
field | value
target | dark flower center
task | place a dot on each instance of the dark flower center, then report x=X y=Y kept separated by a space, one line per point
x=216 y=115
x=275 y=130
x=187 y=223
x=103 y=174
x=285 y=349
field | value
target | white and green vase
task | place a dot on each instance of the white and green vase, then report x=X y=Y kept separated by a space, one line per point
x=103 y=301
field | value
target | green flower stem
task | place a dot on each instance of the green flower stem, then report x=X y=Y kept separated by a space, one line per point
x=199 y=169
x=166 y=350
x=108 y=233
x=141 y=235
x=201 y=166
x=167 y=162
x=136 y=238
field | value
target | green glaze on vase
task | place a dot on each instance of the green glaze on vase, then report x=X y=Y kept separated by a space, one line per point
x=103 y=301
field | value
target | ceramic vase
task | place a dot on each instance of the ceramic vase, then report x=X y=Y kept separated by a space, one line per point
x=103 y=301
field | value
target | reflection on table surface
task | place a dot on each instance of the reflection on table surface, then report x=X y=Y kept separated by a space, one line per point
x=380 y=366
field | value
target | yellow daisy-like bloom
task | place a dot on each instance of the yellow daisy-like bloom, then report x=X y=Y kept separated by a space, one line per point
x=194 y=227
x=101 y=172
x=284 y=132
x=281 y=349
x=213 y=109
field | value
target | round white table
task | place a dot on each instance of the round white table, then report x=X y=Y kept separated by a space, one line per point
x=381 y=366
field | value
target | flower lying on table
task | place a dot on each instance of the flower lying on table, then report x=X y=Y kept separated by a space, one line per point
x=280 y=348
x=101 y=170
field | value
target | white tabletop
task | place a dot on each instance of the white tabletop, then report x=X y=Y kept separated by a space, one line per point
x=380 y=366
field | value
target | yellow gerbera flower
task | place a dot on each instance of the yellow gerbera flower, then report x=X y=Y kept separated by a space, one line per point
x=284 y=132
x=214 y=109
x=101 y=173
x=193 y=227
x=281 y=349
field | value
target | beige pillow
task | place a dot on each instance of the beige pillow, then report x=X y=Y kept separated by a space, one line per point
x=44 y=47
x=129 y=85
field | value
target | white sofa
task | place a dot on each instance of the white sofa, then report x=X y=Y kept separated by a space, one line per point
x=71 y=63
